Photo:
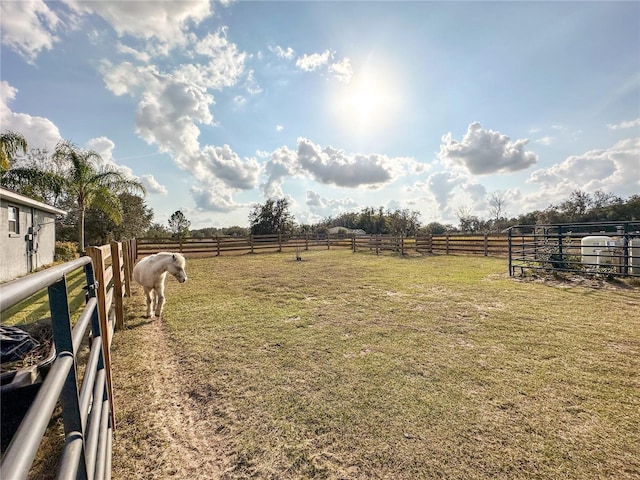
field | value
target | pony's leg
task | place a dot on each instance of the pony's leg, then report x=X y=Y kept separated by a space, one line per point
x=148 y=292
x=160 y=299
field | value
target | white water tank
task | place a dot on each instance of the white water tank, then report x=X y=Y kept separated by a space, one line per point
x=597 y=250
x=634 y=255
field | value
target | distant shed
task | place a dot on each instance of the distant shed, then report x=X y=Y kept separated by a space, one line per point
x=27 y=233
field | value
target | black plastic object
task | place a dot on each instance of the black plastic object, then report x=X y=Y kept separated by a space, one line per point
x=15 y=344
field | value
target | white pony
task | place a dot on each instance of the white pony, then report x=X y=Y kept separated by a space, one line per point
x=151 y=272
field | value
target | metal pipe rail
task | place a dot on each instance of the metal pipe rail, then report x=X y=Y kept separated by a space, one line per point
x=86 y=410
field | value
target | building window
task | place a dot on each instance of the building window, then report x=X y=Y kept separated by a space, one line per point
x=14 y=225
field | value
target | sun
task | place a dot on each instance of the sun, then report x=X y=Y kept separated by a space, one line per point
x=368 y=103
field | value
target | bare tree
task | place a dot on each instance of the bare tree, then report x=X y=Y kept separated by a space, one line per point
x=497 y=205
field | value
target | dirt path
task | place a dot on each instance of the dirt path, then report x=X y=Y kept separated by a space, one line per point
x=160 y=431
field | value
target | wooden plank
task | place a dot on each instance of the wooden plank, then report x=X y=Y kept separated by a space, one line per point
x=118 y=281
x=98 y=256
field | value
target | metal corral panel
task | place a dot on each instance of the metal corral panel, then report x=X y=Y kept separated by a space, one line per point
x=634 y=255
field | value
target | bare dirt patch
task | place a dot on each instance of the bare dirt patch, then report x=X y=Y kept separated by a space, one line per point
x=170 y=437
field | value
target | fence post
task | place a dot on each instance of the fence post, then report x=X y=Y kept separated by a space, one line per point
x=106 y=333
x=402 y=244
x=486 y=244
x=353 y=242
x=328 y=241
x=447 y=244
x=251 y=242
x=509 y=230
x=70 y=400
x=306 y=241
x=128 y=266
x=218 y=245
x=279 y=242
x=116 y=251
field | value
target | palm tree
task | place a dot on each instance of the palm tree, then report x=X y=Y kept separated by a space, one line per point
x=80 y=180
x=10 y=144
x=89 y=186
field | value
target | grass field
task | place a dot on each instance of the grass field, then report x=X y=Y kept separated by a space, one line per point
x=355 y=366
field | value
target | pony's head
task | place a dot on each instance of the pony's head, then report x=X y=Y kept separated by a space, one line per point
x=176 y=267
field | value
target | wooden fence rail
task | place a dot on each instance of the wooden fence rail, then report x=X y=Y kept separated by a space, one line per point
x=480 y=244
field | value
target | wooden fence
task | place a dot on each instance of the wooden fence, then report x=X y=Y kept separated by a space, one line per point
x=87 y=411
x=477 y=244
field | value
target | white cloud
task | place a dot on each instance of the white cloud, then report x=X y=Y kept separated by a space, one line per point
x=152 y=185
x=442 y=185
x=342 y=70
x=333 y=166
x=214 y=198
x=279 y=128
x=546 y=140
x=287 y=53
x=624 y=125
x=224 y=164
x=169 y=108
x=615 y=169
x=484 y=152
x=324 y=207
x=39 y=132
x=27 y=27
x=224 y=65
x=164 y=21
x=314 y=61
x=283 y=163
x=143 y=57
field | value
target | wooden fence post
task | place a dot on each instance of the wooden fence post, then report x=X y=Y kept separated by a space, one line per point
x=306 y=242
x=218 y=245
x=103 y=276
x=126 y=260
x=486 y=244
x=118 y=280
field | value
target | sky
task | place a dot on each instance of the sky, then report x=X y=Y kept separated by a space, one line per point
x=429 y=106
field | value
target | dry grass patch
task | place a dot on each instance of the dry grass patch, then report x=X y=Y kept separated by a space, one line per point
x=355 y=366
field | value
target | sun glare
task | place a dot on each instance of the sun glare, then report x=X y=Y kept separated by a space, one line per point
x=368 y=103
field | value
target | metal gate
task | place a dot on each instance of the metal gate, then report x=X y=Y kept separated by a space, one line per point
x=86 y=410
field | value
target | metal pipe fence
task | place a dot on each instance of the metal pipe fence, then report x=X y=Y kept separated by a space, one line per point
x=86 y=407
x=605 y=248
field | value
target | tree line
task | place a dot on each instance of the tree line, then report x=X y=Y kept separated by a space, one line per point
x=103 y=204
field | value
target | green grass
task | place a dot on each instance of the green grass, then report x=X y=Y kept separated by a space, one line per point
x=356 y=366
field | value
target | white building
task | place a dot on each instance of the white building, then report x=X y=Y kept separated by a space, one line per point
x=27 y=234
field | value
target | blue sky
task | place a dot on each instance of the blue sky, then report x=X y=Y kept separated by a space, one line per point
x=337 y=106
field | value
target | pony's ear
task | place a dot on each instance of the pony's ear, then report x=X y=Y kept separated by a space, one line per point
x=174 y=256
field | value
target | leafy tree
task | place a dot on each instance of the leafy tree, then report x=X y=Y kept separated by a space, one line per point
x=436 y=228
x=81 y=182
x=11 y=143
x=100 y=228
x=271 y=217
x=157 y=230
x=403 y=222
x=575 y=208
x=179 y=225
x=235 y=231
x=205 y=232
x=93 y=187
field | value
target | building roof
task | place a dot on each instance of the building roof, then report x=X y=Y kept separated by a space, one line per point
x=29 y=202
